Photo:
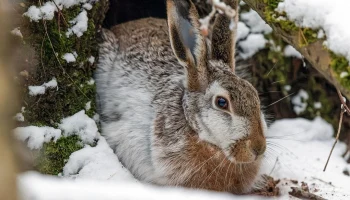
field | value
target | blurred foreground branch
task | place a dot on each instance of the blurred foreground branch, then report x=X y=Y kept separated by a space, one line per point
x=7 y=161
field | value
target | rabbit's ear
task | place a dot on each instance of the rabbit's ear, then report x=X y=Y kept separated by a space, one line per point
x=186 y=41
x=223 y=46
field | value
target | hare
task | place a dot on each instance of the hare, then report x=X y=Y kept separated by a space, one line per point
x=172 y=107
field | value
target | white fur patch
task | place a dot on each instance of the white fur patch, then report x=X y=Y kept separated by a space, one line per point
x=217 y=129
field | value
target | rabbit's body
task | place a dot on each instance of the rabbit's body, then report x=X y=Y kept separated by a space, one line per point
x=163 y=123
x=135 y=69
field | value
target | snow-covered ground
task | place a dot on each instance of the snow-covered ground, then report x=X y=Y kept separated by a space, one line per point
x=297 y=150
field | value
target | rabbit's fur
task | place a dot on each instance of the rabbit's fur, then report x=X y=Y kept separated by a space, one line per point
x=158 y=87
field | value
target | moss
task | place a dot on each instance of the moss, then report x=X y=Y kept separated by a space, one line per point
x=272 y=4
x=340 y=64
x=48 y=38
x=70 y=96
x=54 y=155
x=307 y=35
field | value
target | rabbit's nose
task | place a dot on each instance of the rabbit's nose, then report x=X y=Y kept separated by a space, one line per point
x=259 y=148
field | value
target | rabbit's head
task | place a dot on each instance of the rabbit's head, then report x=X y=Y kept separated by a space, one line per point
x=221 y=107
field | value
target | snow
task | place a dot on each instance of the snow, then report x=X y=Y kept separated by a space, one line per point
x=48 y=9
x=79 y=124
x=290 y=51
x=344 y=74
x=82 y=125
x=36 y=90
x=91 y=60
x=35 y=186
x=250 y=34
x=87 y=6
x=97 y=163
x=302 y=147
x=80 y=25
x=252 y=45
x=318 y=105
x=254 y=21
x=330 y=16
x=88 y=106
x=91 y=81
x=287 y=87
x=299 y=101
x=45 y=12
x=297 y=150
x=242 y=31
x=69 y=57
x=36 y=136
x=19 y=117
x=320 y=34
x=70 y=3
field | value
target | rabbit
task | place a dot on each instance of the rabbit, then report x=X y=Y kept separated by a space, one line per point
x=172 y=107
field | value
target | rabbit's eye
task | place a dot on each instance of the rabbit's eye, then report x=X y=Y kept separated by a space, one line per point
x=221 y=102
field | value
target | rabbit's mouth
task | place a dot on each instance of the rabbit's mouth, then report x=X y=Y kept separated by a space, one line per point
x=243 y=152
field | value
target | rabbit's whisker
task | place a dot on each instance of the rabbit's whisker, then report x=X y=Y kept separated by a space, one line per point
x=279 y=100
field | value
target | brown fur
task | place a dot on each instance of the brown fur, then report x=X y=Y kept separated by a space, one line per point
x=223 y=39
x=195 y=62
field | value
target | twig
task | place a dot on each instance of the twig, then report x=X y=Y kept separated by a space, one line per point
x=341 y=97
x=337 y=137
x=299 y=193
x=60 y=14
x=344 y=109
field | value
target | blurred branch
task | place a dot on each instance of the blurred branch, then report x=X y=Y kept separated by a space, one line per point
x=8 y=167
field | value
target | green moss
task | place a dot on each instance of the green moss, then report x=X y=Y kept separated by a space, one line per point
x=307 y=35
x=70 y=96
x=50 y=43
x=272 y=4
x=54 y=155
x=340 y=64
